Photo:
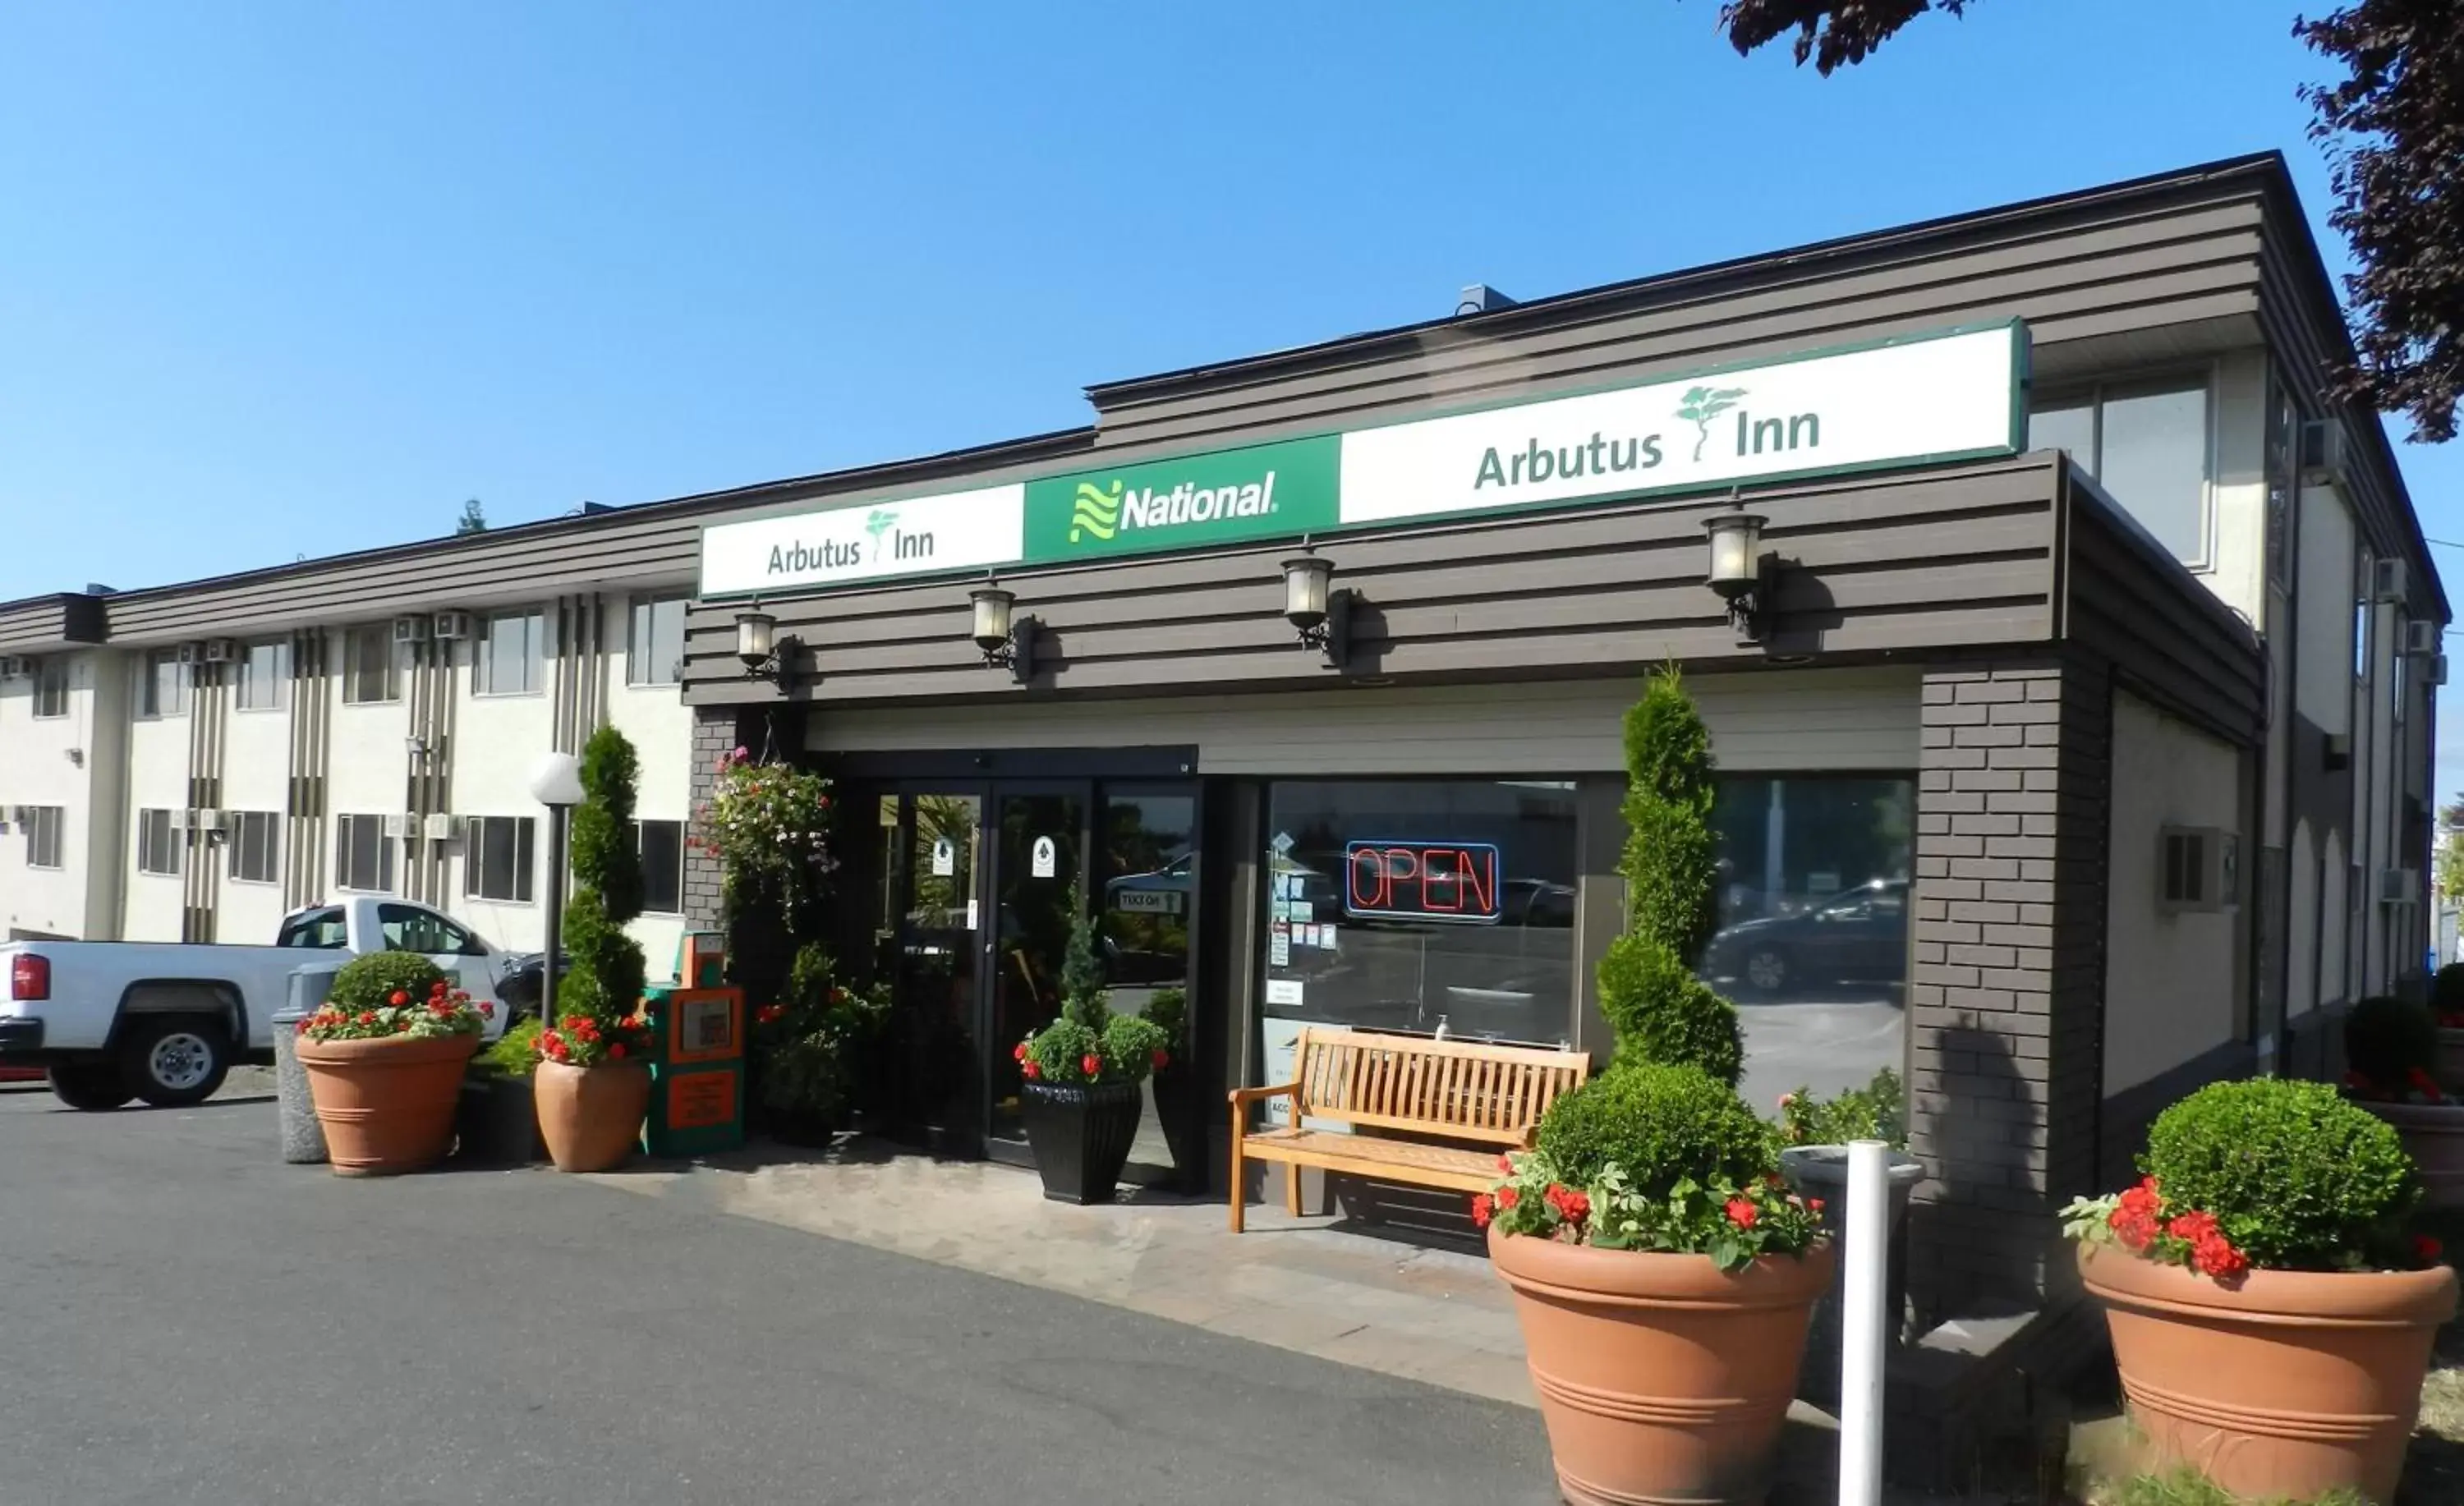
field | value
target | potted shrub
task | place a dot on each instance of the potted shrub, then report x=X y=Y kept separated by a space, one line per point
x=1664 y=1275
x=806 y=1049
x=497 y=1121
x=2390 y=1056
x=593 y=1083
x=1080 y=1098
x=1815 y=1135
x=2271 y=1315
x=384 y=1057
x=1179 y=1099
x=2447 y=1002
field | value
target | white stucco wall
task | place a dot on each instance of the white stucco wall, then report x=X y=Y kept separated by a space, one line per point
x=654 y=717
x=256 y=776
x=368 y=767
x=36 y=769
x=2172 y=980
x=497 y=739
x=158 y=779
x=2237 y=494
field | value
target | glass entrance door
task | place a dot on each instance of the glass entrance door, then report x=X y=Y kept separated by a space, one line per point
x=1040 y=836
x=933 y=915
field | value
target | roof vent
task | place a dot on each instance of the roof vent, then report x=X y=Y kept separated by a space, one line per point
x=1480 y=299
x=94 y=589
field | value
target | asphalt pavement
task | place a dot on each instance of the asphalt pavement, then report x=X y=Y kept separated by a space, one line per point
x=185 y=1319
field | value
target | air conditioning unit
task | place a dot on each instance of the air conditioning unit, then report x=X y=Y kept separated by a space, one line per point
x=439 y=826
x=2198 y=870
x=398 y=828
x=15 y=666
x=192 y=653
x=220 y=650
x=453 y=627
x=410 y=629
x=203 y=819
x=2437 y=669
x=2420 y=637
x=2387 y=580
x=22 y=815
x=2325 y=456
x=2399 y=886
x=180 y=818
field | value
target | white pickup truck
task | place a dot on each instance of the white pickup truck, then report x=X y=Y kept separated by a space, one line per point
x=163 y=1021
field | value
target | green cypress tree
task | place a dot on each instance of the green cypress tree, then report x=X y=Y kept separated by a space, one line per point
x=1659 y=1011
x=606 y=975
x=1083 y=995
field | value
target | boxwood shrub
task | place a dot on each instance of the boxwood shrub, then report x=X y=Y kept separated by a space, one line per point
x=371 y=979
x=1661 y=1123
x=2298 y=1178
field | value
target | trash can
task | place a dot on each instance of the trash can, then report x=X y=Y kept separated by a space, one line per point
x=303 y=1139
x=1822 y=1171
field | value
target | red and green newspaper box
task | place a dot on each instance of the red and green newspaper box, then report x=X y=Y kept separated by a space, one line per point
x=696 y=1055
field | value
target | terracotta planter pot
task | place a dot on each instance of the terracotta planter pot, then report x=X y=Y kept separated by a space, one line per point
x=591 y=1116
x=386 y=1106
x=2449 y=1070
x=2288 y=1386
x=1661 y=1377
x=2433 y=1136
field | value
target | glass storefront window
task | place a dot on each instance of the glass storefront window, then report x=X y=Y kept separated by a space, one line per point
x=1814 y=927
x=1410 y=905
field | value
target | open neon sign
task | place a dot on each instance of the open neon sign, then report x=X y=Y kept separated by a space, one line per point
x=1453 y=882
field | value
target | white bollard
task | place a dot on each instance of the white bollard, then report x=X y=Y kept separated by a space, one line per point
x=1864 y=1322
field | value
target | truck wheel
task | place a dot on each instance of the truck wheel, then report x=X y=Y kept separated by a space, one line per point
x=91 y=1088
x=175 y=1060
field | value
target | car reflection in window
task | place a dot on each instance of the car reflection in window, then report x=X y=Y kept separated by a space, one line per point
x=1858 y=937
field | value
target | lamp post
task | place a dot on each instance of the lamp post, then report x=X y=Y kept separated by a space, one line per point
x=556 y=782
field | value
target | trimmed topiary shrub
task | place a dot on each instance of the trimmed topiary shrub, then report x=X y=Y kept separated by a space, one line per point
x=2388 y=1042
x=371 y=980
x=2295 y=1177
x=1649 y=994
x=1661 y=1124
x=603 y=981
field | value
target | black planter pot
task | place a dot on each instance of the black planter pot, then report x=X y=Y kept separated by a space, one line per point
x=1080 y=1134
x=496 y=1123
x=1177 y=1100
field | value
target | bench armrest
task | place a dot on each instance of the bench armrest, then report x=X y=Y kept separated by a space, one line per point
x=1240 y=1096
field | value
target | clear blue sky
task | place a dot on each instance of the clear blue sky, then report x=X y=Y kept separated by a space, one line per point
x=285 y=279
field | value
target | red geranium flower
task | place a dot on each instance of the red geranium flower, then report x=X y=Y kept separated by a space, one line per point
x=2215 y=1256
x=1483 y=1210
x=1743 y=1212
x=1572 y=1206
x=487 y=1011
x=1019 y=1055
x=1508 y=1196
x=1092 y=1064
x=2427 y=1250
x=1813 y=1206
x=616 y=1052
x=2135 y=1230
x=2193 y=1227
x=368 y=1017
x=398 y=997
x=1033 y=1072
x=1162 y=1059
x=1505 y=1162
x=770 y=1014
x=302 y=1028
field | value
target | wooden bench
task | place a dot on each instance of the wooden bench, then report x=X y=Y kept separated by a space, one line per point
x=1443 y=1090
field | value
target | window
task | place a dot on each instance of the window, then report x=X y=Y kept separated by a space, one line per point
x=158 y=844
x=43 y=836
x=2362 y=614
x=51 y=688
x=362 y=855
x=655 y=645
x=497 y=860
x=1814 y=926
x=509 y=656
x=263 y=669
x=372 y=666
x=409 y=928
x=1410 y=903
x=166 y=691
x=323 y=929
x=255 y=840
x=662 y=847
x=2147 y=447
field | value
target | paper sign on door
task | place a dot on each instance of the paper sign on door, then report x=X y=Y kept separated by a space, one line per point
x=945 y=858
x=1045 y=860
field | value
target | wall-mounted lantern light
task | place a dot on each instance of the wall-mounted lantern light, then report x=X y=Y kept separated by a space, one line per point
x=764 y=652
x=1006 y=640
x=1739 y=570
x=1321 y=614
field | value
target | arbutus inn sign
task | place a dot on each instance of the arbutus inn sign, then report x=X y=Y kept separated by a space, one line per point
x=1950 y=395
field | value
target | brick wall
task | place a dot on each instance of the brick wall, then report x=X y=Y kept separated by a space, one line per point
x=2005 y=988
x=714 y=733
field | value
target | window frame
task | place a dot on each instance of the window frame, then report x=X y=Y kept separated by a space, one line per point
x=344 y=825
x=661 y=675
x=479 y=836
x=236 y=845
x=641 y=855
x=281 y=675
x=483 y=659
x=170 y=842
x=392 y=672
x=150 y=701
x=51 y=818
x=53 y=683
x=2149 y=383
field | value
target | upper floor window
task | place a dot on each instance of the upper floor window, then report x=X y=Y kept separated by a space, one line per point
x=510 y=654
x=372 y=666
x=363 y=854
x=166 y=691
x=264 y=673
x=497 y=859
x=255 y=841
x=655 y=645
x=158 y=842
x=51 y=688
x=662 y=848
x=2146 y=444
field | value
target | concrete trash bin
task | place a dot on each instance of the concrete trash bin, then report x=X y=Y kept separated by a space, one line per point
x=303 y=1139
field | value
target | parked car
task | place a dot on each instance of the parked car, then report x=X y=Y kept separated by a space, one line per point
x=520 y=984
x=163 y=1021
x=1861 y=933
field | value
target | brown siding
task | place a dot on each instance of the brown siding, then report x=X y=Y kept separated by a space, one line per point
x=2167 y=637
x=51 y=622
x=1956 y=556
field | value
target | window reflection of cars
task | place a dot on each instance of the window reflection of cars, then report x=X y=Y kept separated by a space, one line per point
x=1859 y=935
